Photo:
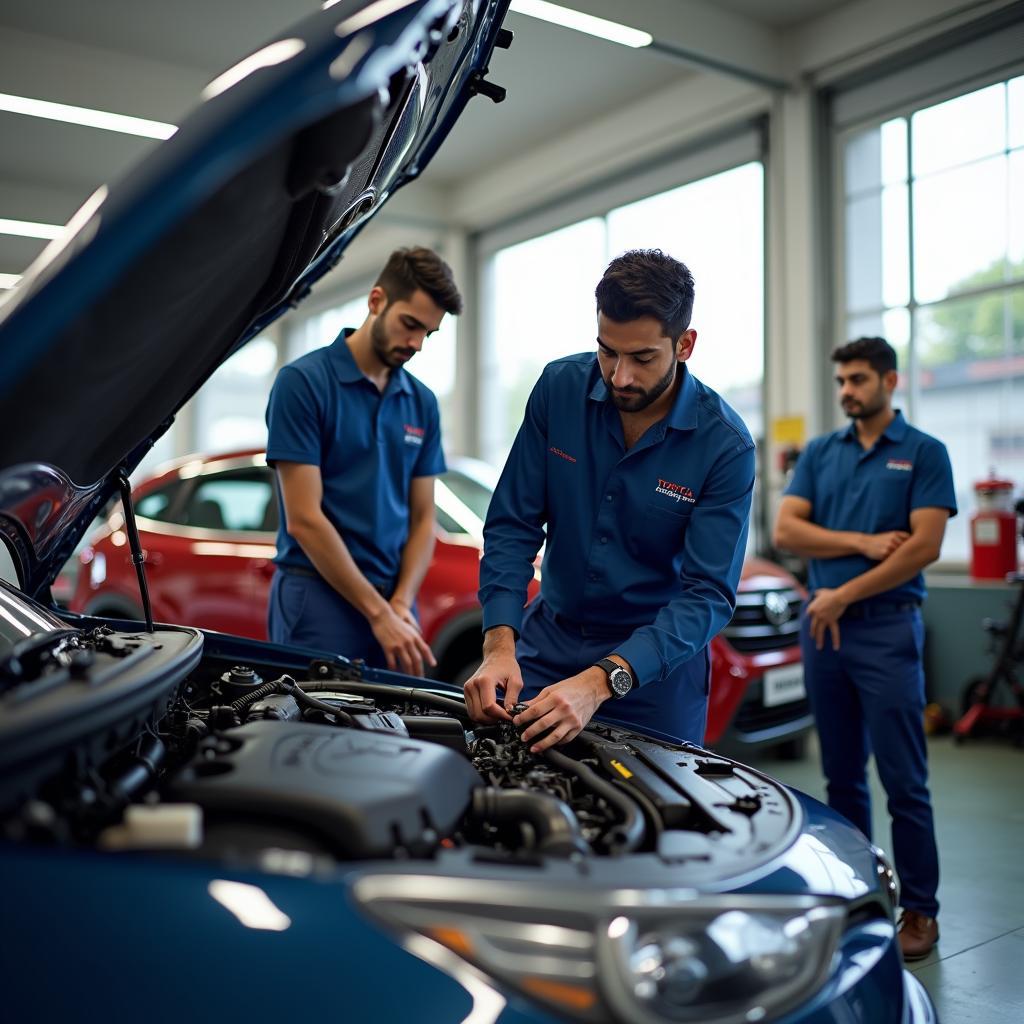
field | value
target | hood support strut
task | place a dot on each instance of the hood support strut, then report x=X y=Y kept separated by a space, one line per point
x=136 y=546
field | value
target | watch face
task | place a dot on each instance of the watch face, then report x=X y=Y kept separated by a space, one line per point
x=621 y=682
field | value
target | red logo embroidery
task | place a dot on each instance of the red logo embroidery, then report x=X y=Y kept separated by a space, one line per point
x=414 y=435
x=904 y=465
x=676 y=491
x=561 y=454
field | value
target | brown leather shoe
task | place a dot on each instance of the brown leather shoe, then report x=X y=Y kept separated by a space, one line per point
x=918 y=934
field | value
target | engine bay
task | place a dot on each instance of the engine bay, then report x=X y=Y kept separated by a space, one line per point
x=146 y=741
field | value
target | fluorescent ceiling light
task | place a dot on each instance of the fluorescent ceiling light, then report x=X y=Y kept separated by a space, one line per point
x=85 y=116
x=29 y=229
x=600 y=27
x=9 y=280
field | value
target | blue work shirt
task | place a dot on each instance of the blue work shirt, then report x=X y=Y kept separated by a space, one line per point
x=651 y=539
x=368 y=444
x=871 y=491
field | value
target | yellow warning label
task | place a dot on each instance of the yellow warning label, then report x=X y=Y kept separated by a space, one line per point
x=622 y=769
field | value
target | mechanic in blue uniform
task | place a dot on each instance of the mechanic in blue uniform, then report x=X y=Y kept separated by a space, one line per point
x=356 y=442
x=868 y=505
x=643 y=478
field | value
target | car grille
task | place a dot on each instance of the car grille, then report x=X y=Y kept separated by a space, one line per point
x=752 y=716
x=765 y=620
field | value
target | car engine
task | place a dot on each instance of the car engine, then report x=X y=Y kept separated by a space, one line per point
x=211 y=757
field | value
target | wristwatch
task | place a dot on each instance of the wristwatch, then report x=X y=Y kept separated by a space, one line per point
x=620 y=680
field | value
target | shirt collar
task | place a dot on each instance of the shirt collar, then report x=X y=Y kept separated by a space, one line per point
x=348 y=372
x=682 y=415
x=896 y=431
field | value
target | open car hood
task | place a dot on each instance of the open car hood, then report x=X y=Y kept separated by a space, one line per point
x=159 y=279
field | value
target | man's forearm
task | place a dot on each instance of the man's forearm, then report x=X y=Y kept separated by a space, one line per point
x=809 y=540
x=330 y=555
x=500 y=640
x=416 y=555
x=902 y=565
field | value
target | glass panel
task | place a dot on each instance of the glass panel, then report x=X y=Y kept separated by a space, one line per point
x=229 y=409
x=474 y=494
x=157 y=504
x=1015 y=114
x=894 y=151
x=895 y=245
x=959 y=130
x=864 y=252
x=242 y=501
x=960 y=229
x=1015 y=225
x=716 y=226
x=541 y=308
x=972 y=392
x=863 y=161
x=877 y=157
x=322 y=328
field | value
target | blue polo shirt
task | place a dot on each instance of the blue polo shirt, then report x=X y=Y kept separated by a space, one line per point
x=871 y=491
x=651 y=539
x=369 y=445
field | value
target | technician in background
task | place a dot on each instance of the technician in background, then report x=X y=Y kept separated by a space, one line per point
x=868 y=505
x=356 y=442
x=643 y=478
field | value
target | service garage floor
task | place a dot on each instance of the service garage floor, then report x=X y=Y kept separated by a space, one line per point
x=976 y=973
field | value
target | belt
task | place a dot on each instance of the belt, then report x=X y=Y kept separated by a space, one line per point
x=384 y=589
x=877 y=609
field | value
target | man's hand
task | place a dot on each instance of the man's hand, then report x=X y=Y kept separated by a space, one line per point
x=824 y=612
x=404 y=611
x=399 y=636
x=499 y=671
x=564 y=708
x=879 y=546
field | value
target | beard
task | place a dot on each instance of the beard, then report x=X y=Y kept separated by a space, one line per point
x=866 y=409
x=390 y=355
x=635 y=399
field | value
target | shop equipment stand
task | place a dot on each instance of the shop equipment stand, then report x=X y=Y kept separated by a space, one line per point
x=978 y=710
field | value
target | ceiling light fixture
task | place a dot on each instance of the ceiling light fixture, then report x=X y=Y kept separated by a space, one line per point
x=85 y=116
x=29 y=229
x=567 y=18
x=9 y=280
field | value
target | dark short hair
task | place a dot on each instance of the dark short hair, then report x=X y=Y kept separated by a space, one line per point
x=647 y=282
x=876 y=351
x=418 y=268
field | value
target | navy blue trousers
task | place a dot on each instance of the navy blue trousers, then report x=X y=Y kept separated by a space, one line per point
x=550 y=648
x=306 y=611
x=868 y=697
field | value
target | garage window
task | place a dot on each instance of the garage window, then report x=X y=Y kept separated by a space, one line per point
x=933 y=255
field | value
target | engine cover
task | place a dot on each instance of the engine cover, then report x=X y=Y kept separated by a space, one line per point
x=365 y=793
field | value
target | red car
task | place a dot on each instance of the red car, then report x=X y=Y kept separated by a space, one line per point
x=208 y=526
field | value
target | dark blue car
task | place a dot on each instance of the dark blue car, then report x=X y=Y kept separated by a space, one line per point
x=196 y=827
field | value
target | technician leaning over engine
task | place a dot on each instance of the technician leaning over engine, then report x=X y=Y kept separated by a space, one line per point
x=643 y=478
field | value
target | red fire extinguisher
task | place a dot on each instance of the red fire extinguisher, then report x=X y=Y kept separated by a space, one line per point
x=993 y=530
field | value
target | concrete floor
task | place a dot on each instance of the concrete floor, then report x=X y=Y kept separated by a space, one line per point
x=976 y=973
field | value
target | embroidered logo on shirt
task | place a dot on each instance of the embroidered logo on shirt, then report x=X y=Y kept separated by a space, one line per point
x=414 y=435
x=676 y=491
x=904 y=465
x=561 y=454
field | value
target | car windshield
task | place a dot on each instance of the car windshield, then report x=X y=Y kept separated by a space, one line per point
x=476 y=496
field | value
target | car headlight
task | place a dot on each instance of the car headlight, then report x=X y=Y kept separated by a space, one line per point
x=886 y=878
x=642 y=956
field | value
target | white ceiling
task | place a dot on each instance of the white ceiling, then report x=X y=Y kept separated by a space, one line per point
x=150 y=58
